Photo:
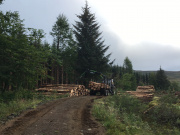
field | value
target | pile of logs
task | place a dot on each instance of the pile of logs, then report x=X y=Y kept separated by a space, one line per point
x=72 y=89
x=97 y=86
x=79 y=91
x=146 y=89
x=145 y=93
x=60 y=88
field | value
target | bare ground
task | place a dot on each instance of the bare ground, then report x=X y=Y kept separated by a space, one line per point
x=67 y=116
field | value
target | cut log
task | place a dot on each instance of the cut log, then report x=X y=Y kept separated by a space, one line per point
x=98 y=86
x=79 y=91
x=73 y=89
x=145 y=93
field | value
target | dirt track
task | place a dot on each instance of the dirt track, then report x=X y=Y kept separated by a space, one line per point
x=68 y=116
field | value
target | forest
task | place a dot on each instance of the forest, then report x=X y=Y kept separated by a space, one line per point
x=28 y=61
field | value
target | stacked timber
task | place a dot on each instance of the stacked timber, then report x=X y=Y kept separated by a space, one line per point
x=62 y=89
x=145 y=93
x=97 y=86
x=146 y=89
x=79 y=91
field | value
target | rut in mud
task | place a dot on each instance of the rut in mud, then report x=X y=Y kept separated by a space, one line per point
x=67 y=116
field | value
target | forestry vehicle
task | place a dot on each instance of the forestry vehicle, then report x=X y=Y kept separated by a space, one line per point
x=104 y=87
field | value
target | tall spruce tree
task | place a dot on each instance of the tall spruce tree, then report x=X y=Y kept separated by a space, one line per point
x=91 y=49
x=162 y=81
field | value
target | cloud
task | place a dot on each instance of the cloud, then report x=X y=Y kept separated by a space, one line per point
x=145 y=55
x=42 y=14
x=117 y=20
x=150 y=56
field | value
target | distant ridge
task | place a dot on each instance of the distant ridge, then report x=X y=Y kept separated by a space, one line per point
x=172 y=75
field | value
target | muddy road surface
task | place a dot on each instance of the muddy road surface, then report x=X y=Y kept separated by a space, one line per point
x=67 y=116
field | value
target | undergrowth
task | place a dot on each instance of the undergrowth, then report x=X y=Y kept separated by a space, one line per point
x=12 y=103
x=124 y=115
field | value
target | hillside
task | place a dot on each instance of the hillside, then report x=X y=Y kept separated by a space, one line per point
x=172 y=75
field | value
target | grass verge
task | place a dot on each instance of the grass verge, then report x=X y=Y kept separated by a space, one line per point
x=13 y=103
x=124 y=115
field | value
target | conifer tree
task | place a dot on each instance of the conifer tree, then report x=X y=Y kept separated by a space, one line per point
x=91 y=49
x=128 y=66
x=162 y=82
x=128 y=78
x=21 y=63
x=62 y=34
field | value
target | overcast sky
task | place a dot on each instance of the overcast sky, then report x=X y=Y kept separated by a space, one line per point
x=146 y=31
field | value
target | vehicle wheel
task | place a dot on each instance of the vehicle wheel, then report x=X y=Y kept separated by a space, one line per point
x=101 y=92
x=106 y=92
x=91 y=92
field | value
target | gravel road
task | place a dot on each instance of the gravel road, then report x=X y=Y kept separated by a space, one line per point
x=67 y=116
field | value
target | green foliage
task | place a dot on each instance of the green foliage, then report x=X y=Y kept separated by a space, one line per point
x=124 y=114
x=166 y=111
x=22 y=56
x=35 y=37
x=165 y=114
x=162 y=83
x=14 y=102
x=15 y=107
x=127 y=65
x=16 y=95
x=64 y=47
x=123 y=76
x=61 y=32
x=118 y=121
x=127 y=104
x=128 y=82
x=91 y=49
x=169 y=98
x=152 y=79
x=174 y=86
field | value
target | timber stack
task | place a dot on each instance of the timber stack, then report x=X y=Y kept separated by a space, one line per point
x=79 y=91
x=97 y=86
x=145 y=93
x=72 y=89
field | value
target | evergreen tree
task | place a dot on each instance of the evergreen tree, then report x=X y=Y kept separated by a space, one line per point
x=128 y=78
x=61 y=32
x=128 y=66
x=128 y=82
x=63 y=40
x=137 y=75
x=91 y=49
x=152 y=79
x=21 y=64
x=162 y=82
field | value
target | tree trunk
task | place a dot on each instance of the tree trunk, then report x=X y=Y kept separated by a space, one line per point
x=62 y=74
x=57 y=75
x=66 y=78
x=52 y=74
